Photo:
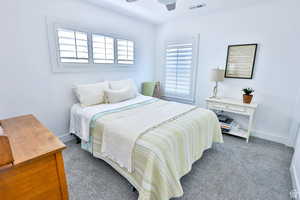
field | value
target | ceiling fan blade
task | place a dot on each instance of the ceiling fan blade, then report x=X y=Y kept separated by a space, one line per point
x=171 y=7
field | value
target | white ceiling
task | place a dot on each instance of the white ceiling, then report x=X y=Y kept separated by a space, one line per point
x=157 y=13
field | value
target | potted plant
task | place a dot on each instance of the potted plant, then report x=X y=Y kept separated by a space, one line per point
x=247 y=96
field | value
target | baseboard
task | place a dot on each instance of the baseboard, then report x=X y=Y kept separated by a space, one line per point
x=295 y=180
x=270 y=137
x=66 y=137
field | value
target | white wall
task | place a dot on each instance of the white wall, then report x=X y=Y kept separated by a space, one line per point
x=295 y=122
x=275 y=27
x=295 y=167
x=27 y=83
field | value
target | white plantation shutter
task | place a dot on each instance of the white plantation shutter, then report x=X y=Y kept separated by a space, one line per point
x=73 y=46
x=179 y=71
x=103 y=49
x=125 y=51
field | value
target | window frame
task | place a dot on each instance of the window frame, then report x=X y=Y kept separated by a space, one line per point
x=117 y=55
x=104 y=35
x=58 y=67
x=58 y=46
x=190 y=99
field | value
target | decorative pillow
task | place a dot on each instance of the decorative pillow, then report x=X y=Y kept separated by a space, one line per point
x=91 y=94
x=115 y=96
x=118 y=85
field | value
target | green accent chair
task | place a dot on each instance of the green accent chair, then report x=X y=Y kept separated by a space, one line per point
x=151 y=89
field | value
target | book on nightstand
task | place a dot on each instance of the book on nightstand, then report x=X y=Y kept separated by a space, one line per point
x=227 y=123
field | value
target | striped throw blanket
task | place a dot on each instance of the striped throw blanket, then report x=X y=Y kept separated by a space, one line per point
x=163 y=154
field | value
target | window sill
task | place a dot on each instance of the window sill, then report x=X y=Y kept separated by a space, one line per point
x=60 y=68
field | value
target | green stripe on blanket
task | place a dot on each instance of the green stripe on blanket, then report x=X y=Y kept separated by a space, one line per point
x=101 y=114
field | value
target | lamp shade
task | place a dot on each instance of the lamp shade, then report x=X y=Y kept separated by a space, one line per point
x=217 y=75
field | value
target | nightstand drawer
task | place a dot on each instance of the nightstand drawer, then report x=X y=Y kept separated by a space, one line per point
x=229 y=108
x=236 y=108
x=217 y=106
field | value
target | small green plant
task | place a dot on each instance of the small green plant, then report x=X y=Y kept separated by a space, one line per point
x=247 y=91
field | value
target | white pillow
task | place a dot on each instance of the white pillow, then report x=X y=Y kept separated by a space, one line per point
x=91 y=94
x=118 y=85
x=115 y=96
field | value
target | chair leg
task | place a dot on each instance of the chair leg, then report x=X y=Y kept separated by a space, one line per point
x=78 y=140
x=133 y=189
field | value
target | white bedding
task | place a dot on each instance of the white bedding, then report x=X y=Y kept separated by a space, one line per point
x=121 y=130
x=162 y=155
x=81 y=116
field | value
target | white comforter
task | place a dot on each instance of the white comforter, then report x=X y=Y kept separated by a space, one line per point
x=81 y=116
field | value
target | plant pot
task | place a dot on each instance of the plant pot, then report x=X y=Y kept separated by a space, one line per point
x=247 y=98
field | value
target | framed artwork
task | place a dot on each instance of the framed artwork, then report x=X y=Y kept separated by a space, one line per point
x=240 y=61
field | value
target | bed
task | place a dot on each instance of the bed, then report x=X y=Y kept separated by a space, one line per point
x=162 y=154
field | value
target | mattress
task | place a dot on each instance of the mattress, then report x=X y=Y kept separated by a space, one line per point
x=163 y=154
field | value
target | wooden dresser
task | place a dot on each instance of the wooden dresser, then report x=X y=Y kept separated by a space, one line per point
x=37 y=172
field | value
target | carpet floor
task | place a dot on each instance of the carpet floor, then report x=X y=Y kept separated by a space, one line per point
x=234 y=170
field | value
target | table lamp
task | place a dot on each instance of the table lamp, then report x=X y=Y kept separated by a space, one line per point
x=217 y=75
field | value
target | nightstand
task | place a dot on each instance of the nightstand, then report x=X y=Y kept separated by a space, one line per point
x=234 y=106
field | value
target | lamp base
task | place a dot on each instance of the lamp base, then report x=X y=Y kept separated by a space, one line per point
x=215 y=91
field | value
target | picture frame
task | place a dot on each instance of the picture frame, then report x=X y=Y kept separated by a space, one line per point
x=240 y=61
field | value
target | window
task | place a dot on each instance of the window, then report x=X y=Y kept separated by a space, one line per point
x=77 y=49
x=179 y=71
x=125 y=52
x=73 y=46
x=103 y=49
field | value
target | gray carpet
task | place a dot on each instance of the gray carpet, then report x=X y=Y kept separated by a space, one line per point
x=230 y=171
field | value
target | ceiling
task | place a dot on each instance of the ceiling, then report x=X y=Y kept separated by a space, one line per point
x=157 y=13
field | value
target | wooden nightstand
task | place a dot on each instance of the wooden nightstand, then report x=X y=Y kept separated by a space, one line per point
x=237 y=107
